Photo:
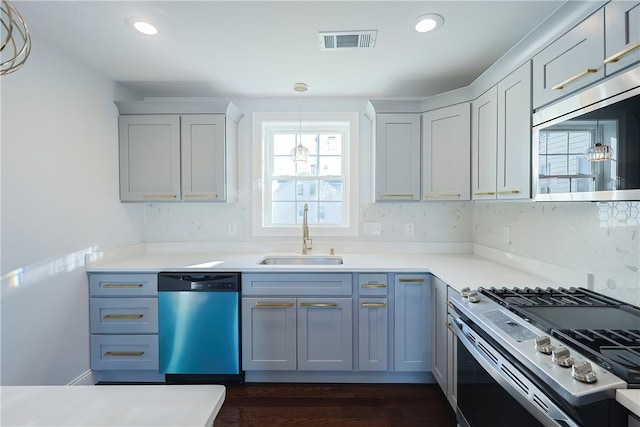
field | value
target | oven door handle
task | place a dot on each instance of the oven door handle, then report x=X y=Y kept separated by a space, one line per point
x=516 y=385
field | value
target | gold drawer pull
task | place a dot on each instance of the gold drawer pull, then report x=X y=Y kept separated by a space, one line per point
x=486 y=193
x=616 y=56
x=124 y=353
x=451 y=305
x=274 y=304
x=412 y=280
x=373 y=285
x=373 y=304
x=397 y=195
x=449 y=327
x=122 y=285
x=318 y=304
x=509 y=192
x=160 y=196
x=576 y=77
x=214 y=196
x=123 y=316
x=441 y=195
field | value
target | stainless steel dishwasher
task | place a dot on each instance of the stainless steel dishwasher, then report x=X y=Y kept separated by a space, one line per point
x=199 y=327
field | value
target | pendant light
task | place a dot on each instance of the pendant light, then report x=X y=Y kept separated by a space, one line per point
x=598 y=152
x=300 y=153
x=16 y=40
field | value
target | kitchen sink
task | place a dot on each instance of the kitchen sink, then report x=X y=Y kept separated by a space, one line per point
x=301 y=260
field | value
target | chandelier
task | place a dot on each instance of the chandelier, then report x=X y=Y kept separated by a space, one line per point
x=16 y=42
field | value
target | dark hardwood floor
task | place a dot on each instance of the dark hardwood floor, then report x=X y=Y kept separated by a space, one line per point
x=371 y=405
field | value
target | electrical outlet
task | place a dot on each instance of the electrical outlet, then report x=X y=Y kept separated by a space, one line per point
x=506 y=234
x=232 y=229
x=409 y=229
x=372 y=228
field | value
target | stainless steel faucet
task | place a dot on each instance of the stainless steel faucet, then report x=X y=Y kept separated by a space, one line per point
x=306 y=240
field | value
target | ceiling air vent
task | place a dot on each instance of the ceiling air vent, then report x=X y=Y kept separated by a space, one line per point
x=332 y=40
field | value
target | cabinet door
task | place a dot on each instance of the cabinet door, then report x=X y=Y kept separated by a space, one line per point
x=484 y=145
x=325 y=340
x=446 y=151
x=203 y=157
x=397 y=157
x=149 y=158
x=269 y=334
x=439 y=344
x=514 y=135
x=373 y=334
x=570 y=63
x=622 y=35
x=412 y=323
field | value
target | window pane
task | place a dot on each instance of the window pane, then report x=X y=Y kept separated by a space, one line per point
x=330 y=213
x=557 y=143
x=330 y=166
x=283 y=190
x=331 y=190
x=307 y=190
x=311 y=142
x=331 y=144
x=283 y=166
x=283 y=143
x=283 y=213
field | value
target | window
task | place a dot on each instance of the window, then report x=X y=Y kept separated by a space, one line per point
x=324 y=182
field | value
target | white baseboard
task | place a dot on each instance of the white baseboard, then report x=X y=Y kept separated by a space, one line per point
x=86 y=378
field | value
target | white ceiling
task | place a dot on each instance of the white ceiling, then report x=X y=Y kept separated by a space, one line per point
x=261 y=48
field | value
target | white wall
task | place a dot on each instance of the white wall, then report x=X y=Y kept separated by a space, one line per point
x=59 y=201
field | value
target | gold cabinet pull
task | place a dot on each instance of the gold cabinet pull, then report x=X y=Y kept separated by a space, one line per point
x=160 y=196
x=373 y=285
x=396 y=195
x=433 y=196
x=318 y=304
x=509 y=192
x=122 y=285
x=412 y=280
x=274 y=304
x=214 y=196
x=616 y=56
x=449 y=327
x=486 y=193
x=373 y=304
x=451 y=305
x=124 y=353
x=576 y=77
x=123 y=316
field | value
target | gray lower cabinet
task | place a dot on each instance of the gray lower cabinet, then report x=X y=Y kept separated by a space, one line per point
x=373 y=334
x=412 y=322
x=123 y=312
x=291 y=334
x=443 y=342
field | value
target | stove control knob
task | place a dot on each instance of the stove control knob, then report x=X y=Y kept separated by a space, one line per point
x=562 y=357
x=473 y=296
x=543 y=344
x=582 y=372
x=465 y=292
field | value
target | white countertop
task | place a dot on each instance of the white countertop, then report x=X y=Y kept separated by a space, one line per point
x=111 y=405
x=457 y=270
x=630 y=399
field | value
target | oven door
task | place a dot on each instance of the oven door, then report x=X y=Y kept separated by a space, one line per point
x=493 y=392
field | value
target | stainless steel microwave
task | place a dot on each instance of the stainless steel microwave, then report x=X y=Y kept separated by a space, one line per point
x=587 y=147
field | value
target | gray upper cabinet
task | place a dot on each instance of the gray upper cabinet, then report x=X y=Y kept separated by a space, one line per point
x=397 y=157
x=514 y=135
x=484 y=145
x=572 y=62
x=149 y=158
x=446 y=152
x=622 y=35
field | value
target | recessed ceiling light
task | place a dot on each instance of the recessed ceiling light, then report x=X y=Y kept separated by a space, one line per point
x=429 y=22
x=142 y=26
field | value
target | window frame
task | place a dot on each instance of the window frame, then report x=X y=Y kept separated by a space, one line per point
x=261 y=150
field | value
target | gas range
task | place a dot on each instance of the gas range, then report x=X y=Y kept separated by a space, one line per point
x=534 y=354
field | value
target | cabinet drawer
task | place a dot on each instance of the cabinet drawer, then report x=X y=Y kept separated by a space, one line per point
x=124 y=315
x=372 y=284
x=121 y=285
x=622 y=35
x=297 y=284
x=570 y=63
x=125 y=352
